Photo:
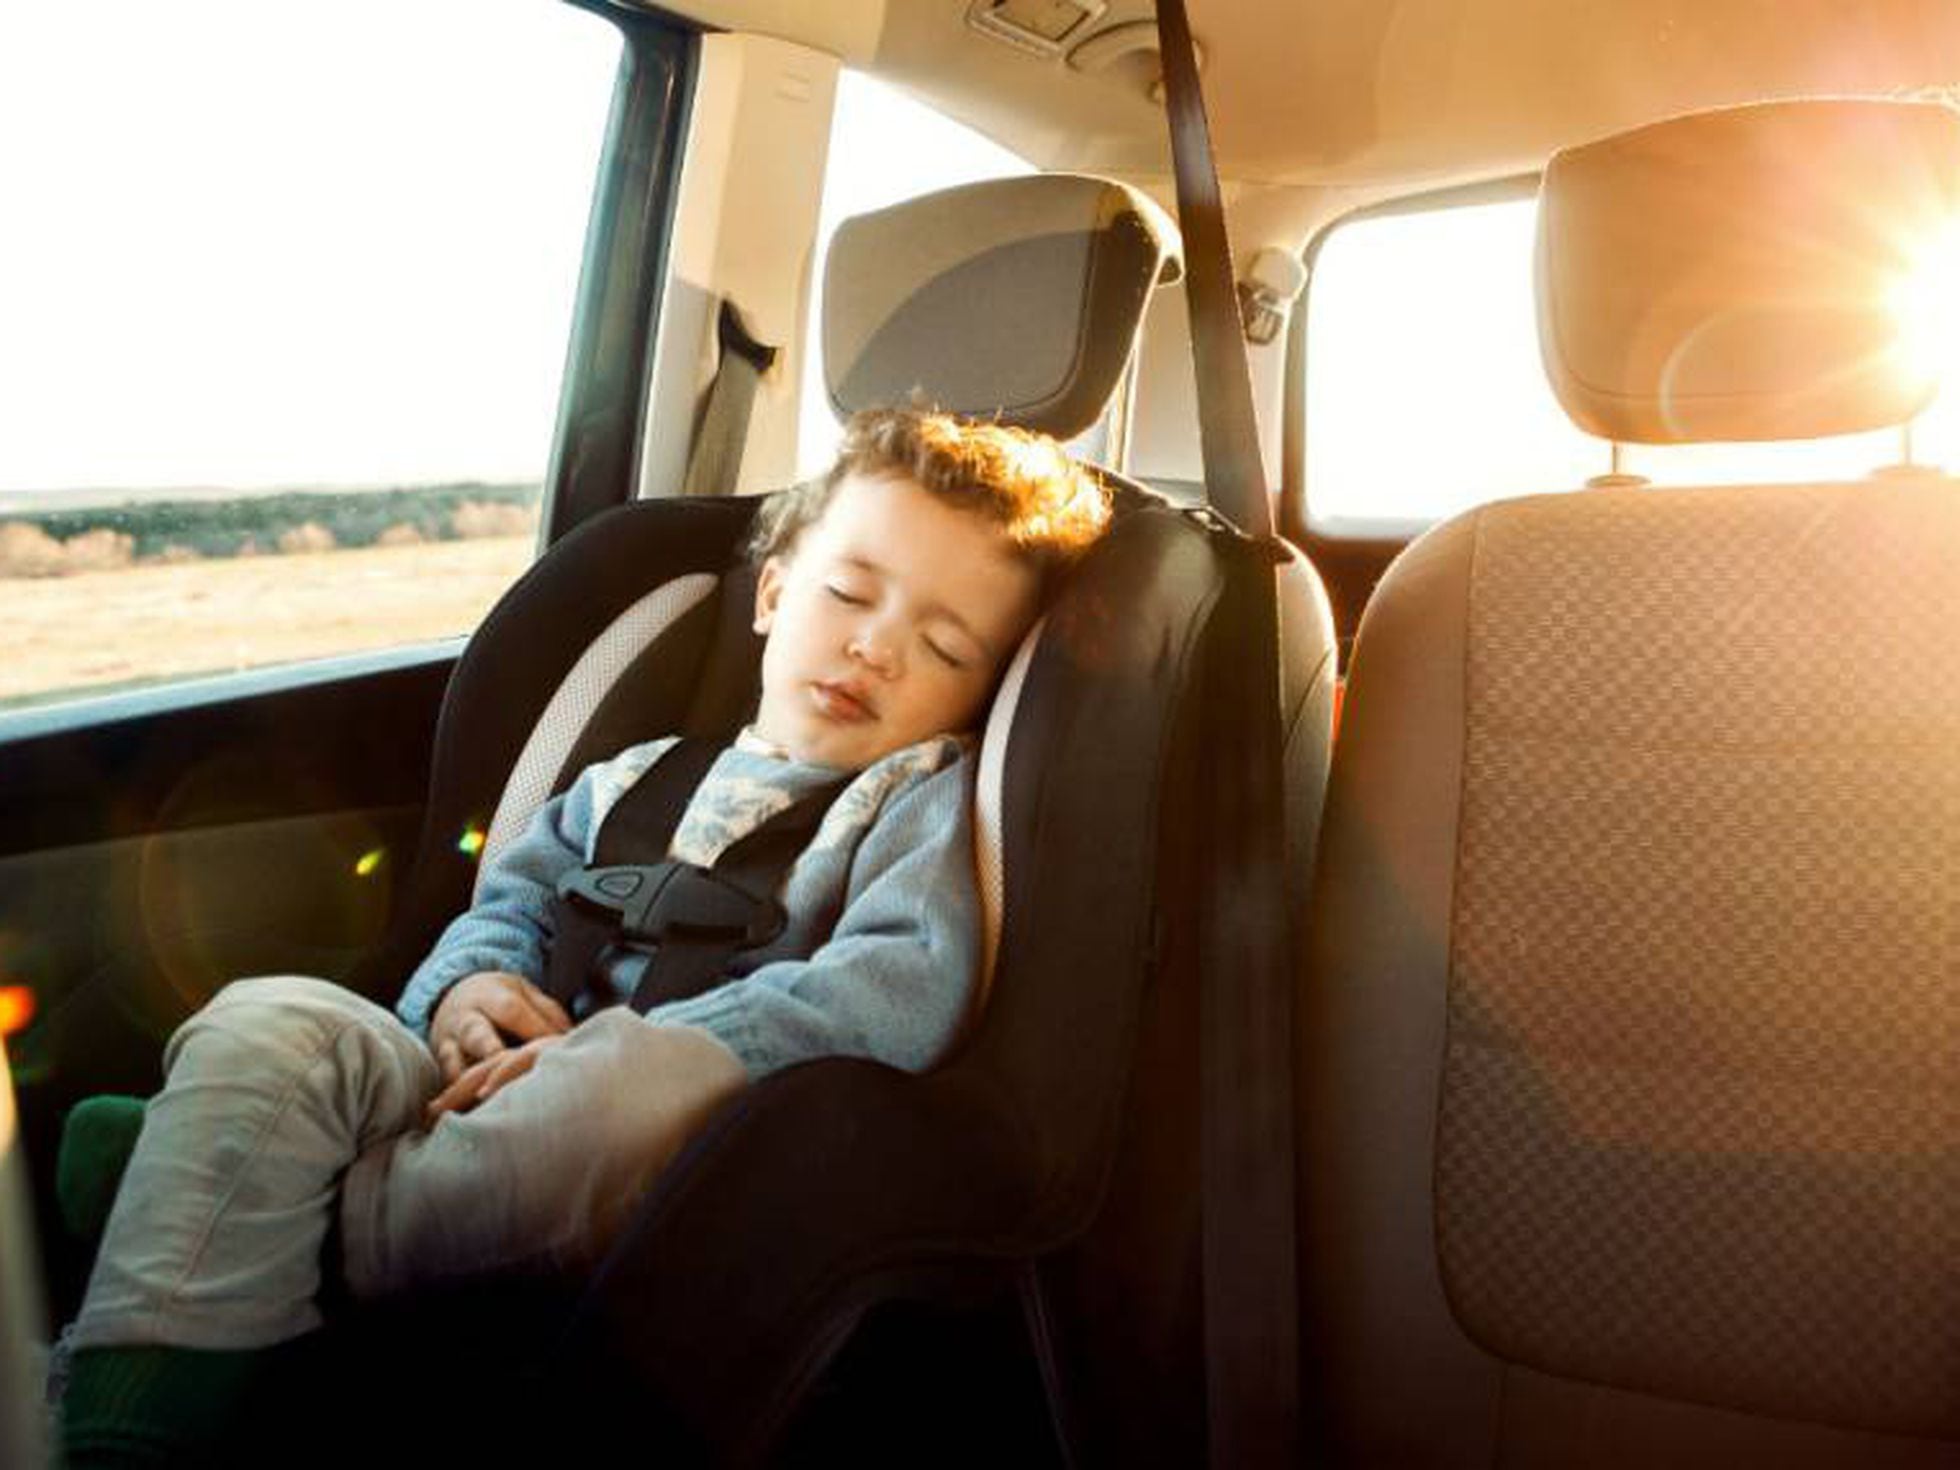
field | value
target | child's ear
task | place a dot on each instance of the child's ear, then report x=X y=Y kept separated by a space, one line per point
x=768 y=592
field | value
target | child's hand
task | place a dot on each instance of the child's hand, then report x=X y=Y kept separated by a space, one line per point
x=478 y=1083
x=481 y=1010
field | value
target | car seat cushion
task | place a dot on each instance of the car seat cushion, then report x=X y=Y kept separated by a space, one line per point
x=568 y=713
x=1735 y=274
x=1064 y=265
x=1699 y=1083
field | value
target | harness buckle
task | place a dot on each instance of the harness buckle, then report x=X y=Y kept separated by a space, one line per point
x=655 y=902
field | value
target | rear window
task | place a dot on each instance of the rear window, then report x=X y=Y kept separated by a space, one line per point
x=280 y=343
x=1425 y=393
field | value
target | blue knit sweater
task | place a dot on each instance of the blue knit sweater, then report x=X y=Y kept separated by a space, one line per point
x=894 y=858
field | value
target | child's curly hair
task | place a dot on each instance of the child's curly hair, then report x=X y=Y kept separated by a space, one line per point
x=1047 y=505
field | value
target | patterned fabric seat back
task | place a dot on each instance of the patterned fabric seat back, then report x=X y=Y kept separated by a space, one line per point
x=1630 y=1091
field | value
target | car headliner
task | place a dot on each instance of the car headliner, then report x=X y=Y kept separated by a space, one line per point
x=1320 y=107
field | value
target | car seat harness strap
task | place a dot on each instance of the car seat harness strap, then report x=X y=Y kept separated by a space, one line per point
x=695 y=919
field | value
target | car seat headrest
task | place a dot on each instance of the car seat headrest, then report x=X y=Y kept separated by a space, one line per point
x=1017 y=298
x=1746 y=273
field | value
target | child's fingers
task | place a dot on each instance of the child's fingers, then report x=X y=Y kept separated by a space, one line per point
x=494 y=1074
x=478 y=1038
x=549 y=1015
x=509 y=1067
x=505 y=1070
x=513 y=1012
x=449 y=1057
x=458 y=1096
x=482 y=1080
x=546 y=1003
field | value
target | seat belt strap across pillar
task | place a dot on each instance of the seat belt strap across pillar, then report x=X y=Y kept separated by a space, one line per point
x=1249 y=1269
x=714 y=463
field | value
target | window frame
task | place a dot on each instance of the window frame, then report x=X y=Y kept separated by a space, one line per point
x=604 y=396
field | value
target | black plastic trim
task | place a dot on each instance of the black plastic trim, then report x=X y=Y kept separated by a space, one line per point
x=84 y=711
x=278 y=742
x=595 y=448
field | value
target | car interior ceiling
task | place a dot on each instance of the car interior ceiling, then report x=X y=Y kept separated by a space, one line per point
x=1333 y=110
x=1625 y=1056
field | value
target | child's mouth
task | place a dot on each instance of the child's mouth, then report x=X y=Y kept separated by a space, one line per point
x=836 y=702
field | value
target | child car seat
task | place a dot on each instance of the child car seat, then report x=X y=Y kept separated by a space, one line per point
x=1017 y=298
x=1093 y=812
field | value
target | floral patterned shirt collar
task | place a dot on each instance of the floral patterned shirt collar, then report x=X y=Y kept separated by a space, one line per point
x=749 y=742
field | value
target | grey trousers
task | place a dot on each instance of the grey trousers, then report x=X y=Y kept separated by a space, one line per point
x=288 y=1098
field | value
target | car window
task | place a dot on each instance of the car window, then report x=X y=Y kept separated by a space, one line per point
x=283 y=343
x=1426 y=395
x=884 y=147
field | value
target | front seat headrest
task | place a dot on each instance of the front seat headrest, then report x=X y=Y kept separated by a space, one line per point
x=1738 y=274
x=1013 y=298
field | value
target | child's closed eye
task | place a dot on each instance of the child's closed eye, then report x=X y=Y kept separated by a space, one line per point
x=846 y=596
x=945 y=655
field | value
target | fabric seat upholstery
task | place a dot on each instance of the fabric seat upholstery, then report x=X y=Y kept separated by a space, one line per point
x=1629 y=1095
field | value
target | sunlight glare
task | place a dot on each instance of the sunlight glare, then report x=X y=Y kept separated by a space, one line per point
x=16 y=1008
x=1925 y=306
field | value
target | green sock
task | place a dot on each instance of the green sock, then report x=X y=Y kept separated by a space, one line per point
x=131 y=1406
x=97 y=1138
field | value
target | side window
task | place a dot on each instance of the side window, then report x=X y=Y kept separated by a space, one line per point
x=286 y=300
x=1425 y=393
x=884 y=147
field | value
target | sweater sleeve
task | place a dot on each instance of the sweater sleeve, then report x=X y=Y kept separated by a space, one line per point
x=509 y=925
x=895 y=978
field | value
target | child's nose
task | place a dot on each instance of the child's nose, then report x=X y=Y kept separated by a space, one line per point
x=877 y=650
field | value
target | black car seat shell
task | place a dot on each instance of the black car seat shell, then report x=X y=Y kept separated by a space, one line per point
x=1628 y=1085
x=1091 y=811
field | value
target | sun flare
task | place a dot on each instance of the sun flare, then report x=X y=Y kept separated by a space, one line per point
x=1925 y=305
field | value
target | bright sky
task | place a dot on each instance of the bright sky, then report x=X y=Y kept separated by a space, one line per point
x=1431 y=318
x=248 y=245
x=224 y=268
x=251 y=244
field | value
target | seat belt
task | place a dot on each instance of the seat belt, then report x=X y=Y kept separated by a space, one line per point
x=1251 y=1301
x=696 y=918
x=714 y=463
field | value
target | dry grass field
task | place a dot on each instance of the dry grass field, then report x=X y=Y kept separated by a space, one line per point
x=135 y=624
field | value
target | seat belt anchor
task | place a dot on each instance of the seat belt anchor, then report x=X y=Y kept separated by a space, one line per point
x=1223 y=528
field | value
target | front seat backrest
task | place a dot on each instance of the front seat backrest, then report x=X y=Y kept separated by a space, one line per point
x=1631 y=1030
